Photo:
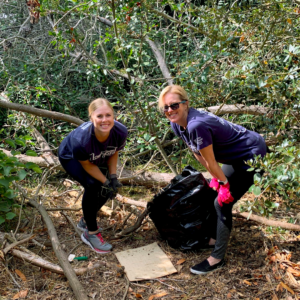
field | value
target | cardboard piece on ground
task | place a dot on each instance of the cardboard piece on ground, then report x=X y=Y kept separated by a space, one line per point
x=146 y=262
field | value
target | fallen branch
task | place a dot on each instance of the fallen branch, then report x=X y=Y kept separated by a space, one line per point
x=131 y=201
x=40 y=262
x=265 y=221
x=75 y=284
x=134 y=227
x=11 y=246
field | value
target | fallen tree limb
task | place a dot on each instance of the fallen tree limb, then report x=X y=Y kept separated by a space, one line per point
x=11 y=246
x=130 y=201
x=75 y=284
x=40 y=262
x=265 y=221
x=39 y=112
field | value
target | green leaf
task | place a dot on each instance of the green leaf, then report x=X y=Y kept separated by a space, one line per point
x=257 y=178
x=14 y=152
x=11 y=143
x=9 y=194
x=36 y=169
x=256 y=190
x=4 y=207
x=6 y=170
x=4 y=182
x=20 y=142
x=251 y=188
x=31 y=153
x=22 y=174
x=2 y=220
x=10 y=215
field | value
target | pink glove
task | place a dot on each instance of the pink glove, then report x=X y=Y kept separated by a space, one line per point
x=214 y=184
x=224 y=195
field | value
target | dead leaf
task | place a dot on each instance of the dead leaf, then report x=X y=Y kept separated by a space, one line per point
x=229 y=296
x=73 y=194
x=247 y=282
x=275 y=297
x=20 y=274
x=287 y=288
x=138 y=296
x=180 y=261
x=21 y=295
x=158 y=295
x=293 y=271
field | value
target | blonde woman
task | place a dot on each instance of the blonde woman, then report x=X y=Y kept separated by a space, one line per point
x=89 y=154
x=214 y=140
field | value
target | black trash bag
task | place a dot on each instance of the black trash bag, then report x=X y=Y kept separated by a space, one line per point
x=183 y=212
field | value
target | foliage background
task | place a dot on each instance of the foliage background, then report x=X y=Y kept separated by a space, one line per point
x=59 y=55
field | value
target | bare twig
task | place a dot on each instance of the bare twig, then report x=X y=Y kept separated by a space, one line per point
x=126 y=288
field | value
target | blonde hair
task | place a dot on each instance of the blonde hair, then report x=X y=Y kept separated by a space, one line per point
x=99 y=102
x=174 y=89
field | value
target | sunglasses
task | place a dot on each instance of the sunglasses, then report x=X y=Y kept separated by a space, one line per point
x=173 y=106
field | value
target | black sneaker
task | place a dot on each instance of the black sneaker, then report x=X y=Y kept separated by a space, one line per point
x=204 y=267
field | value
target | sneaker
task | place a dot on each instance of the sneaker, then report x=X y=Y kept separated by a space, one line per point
x=96 y=242
x=204 y=267
x=82 y=225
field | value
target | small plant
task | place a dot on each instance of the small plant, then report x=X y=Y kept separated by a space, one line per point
x=281 y=178
x=11 y=170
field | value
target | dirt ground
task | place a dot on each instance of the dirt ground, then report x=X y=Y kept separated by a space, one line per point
x=261 y=261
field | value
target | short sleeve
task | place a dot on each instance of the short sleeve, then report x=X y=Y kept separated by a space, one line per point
x=200 y=137
x=79 y=153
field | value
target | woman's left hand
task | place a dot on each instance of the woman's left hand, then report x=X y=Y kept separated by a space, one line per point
x=115 y=183
x=224 y=195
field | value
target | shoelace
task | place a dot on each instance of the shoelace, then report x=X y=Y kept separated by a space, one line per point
x=100 y=237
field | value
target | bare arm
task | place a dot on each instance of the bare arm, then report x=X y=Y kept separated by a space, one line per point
x=93 y=170
x=112 y=163
x=207 y=159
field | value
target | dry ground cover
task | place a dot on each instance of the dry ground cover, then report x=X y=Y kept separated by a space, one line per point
x=261 y=261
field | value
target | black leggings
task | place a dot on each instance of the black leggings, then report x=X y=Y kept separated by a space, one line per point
x=240 y=181
x=92 y=199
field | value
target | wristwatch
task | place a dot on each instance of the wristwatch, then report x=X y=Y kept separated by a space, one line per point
x=223 y=182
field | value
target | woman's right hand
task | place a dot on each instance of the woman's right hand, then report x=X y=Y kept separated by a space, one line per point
x=108 y=191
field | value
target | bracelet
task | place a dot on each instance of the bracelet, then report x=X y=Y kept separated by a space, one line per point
x=223 y=182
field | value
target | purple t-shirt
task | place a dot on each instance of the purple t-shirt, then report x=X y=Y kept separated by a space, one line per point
x=232 y=144
x=82 y=144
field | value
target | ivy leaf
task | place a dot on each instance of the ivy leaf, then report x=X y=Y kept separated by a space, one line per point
x=2 y=220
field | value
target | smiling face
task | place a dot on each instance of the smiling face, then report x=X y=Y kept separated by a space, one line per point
x=103 y=120
x=178 y=116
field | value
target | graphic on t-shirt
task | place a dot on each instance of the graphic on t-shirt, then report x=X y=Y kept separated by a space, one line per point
x=108 y=152
x=198 y=141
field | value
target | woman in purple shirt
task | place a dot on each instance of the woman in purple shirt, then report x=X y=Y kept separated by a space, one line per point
x=214 y=140
x=89 y=154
